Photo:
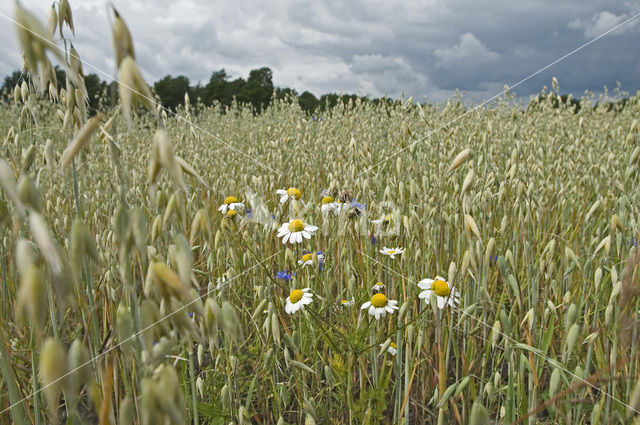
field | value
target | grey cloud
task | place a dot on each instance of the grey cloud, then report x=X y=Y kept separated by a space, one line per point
x=602 y=22
x=420 y=48
x=469 y=52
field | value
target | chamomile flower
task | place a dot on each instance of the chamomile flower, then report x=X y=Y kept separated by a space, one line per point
x=330 y=205
x=379 y=286
x=380 y=305
x=392 y=349
x=391 y=252
x=297 y=299
x=445 y=293
x=307 y=259
x=292 y=193
x=230 y=203
x=382 y=221
x=295 y=230
x=347 y=303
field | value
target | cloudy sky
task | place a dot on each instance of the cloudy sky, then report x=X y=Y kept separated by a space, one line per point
x=419 y=48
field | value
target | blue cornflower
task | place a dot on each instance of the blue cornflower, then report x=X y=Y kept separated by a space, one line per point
x=356 y=208
x=285 y=275
x=356 y=204
x=373 y=239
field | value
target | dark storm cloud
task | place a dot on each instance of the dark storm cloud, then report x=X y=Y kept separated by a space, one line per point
x=426 y=48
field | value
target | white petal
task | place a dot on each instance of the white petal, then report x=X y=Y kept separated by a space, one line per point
x=306 y=234
x=310 y=228
x=424 y=284
x=281 y=192
x=372 y=310
x=298 y=237
x=426 y=294
x=306 y=301
x=442 y=301
x=366 y=305
x=287 y=307
x=286 y=237
x=283 y=199
x=376 y=314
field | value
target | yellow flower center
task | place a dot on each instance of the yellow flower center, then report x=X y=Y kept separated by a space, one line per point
x=379 y=300
x=391 y=251
x=230 y=200
x=393 y=345
x=231 y=213
x=296 y=226
x=344 y=301
x=307 y=257
x=327 y=200
x=296 y=295
x=441 y=288
x=294 y=193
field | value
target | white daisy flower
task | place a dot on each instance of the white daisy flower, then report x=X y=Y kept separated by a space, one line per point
x=445 y=293
x=297 y=299
x=384 y=220
x=230 y=203
x=307 y=259
x=292 y=193
x=295 y=230
x=330 y=205
x=392 y=349
x=380 y=305
x=346 y=303
x=391 y=252
x=379 y=286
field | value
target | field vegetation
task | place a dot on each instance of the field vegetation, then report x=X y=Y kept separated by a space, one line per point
x=162 y=267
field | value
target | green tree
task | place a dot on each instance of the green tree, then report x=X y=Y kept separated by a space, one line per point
x=258 y=89
x=308 y=102
x=10 y=82
x=218 y=89
x=172 y=90
x=96 y=89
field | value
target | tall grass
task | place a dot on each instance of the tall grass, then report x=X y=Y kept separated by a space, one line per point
x=122 y=258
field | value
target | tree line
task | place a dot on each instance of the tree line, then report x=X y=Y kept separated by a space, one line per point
x=257 y=90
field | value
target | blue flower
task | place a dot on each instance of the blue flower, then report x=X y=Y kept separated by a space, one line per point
x=373 y=239
x=285 y=275
x=358 y=205
x=320 y=260
x=249 y=214
x=191 y=314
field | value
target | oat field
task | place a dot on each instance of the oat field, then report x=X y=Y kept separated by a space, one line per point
x=376 y=264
